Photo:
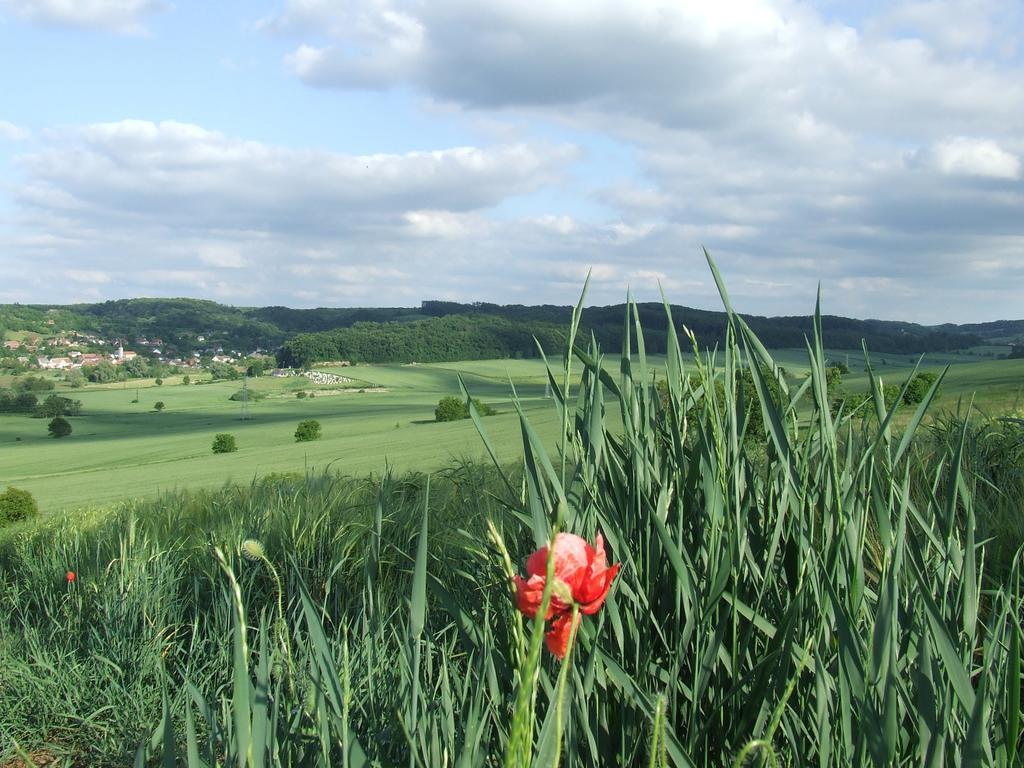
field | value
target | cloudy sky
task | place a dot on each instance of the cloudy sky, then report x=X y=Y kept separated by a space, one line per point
x=379 y=152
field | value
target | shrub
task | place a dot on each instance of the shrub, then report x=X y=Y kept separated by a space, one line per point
x=186 y=379
x=59 y=427
x=158 y=405
x=301 y=394
x=918 y=387
x=159 y=382
x=249 y=395
x=307 y=430
x=15 y=505
x=453 y=408
x=224 y=443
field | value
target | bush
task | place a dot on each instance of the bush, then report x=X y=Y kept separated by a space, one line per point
x=224 y=443
x=301 y=394
x=307 y=430
x=453 y=408
x=159 y=382
x=918 y=387
x=15 y=505
x=59 y=427
x=249 y=394
x=158 y=406
x=186 y=379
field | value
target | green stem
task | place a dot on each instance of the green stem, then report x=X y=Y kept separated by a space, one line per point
x=563 y=676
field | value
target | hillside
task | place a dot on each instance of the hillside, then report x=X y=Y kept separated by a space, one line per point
x=482 y=330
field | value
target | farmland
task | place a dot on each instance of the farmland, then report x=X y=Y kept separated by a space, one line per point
x=123 y=449
x=394 y=586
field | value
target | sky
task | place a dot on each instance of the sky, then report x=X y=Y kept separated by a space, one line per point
x=380 y=153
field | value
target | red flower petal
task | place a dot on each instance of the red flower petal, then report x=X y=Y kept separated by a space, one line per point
x=528 y=595
x=601 y=592
x=557 y=638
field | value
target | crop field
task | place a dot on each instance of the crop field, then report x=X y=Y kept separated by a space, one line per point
x=123 y=449
x=120 y=449
x=827 y=590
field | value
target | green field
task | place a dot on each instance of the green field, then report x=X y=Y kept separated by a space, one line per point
x=120 y=449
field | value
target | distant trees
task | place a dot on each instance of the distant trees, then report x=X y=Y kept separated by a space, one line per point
x=453 y=337
x=307 y=430
x=55 y=405
x=158 y=406
x=17 y=402
x=34 y=384
x=101 y=373
x=224 y=443
x=59 y=427
x=16 y=505
x=453 y=408
x=224 y=371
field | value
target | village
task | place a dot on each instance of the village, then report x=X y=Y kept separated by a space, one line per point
x=76 y=350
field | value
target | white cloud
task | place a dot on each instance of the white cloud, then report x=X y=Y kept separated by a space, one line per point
x=139 y=172
x=119 y=16
x=11 y=132
x=963 y=156
x=93 y=276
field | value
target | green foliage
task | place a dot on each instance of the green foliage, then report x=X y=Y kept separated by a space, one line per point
x=435 y=339
x=257 y=366
x=818 y=597
x=224 y=443
x=224 y=371
x=33 y=384
x=101 y=373
x=186 y=379
x=159 y=382
x=301 y=394
x=16 y=505
x=918 y=387
x=307 y=430
x=843 y=368
x=55 y=405
x=158 y=405
x=59 y=427
x=17 y=402
x=455 y=408
x=250 y=394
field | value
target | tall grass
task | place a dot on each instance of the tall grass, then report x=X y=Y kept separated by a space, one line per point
x=817 y=597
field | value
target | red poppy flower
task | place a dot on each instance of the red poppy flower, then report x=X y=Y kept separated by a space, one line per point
x=582 y=577
x=71 y=576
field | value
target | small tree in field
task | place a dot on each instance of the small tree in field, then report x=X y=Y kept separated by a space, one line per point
x=453 y=408
x=59 y=427
x=158 y=406
x=307 y=430
x=224 y=443
x=186 y=379
x=15 y=505
x=159 y=382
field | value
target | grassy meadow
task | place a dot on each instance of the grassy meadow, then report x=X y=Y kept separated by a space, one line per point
x=120 y=449
x=841 y=590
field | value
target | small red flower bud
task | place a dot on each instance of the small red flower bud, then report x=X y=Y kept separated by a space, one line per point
x=71 y=576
